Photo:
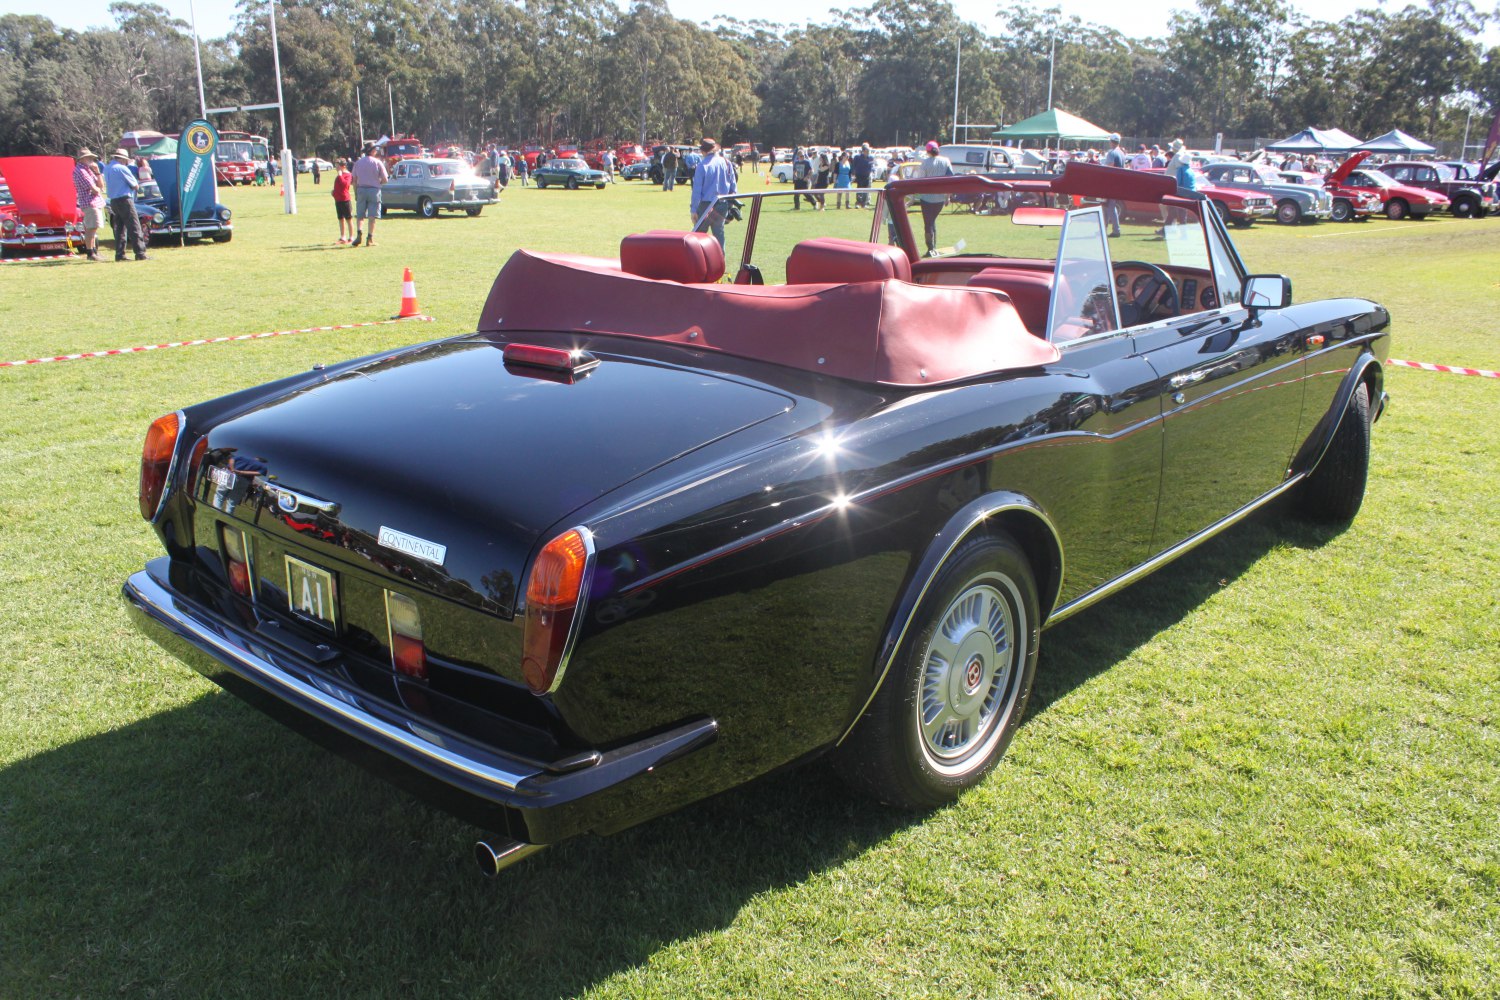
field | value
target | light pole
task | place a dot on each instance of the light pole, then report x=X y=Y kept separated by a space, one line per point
x=288 y=168
x=958 y=62
x=1051 y=65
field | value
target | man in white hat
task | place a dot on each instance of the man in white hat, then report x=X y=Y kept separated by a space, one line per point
x=90 y=191
x=119 y=186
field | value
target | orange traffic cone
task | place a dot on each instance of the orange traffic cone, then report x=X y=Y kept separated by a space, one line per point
x=409 y=308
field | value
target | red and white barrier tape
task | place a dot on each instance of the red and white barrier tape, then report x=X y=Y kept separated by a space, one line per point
x=1450 y=369
x=32 y=260
x=208 y=340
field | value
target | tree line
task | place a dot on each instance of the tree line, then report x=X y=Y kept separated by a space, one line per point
x=468 y=71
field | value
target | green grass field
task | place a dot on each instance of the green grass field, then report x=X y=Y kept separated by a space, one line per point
x=1272 y=769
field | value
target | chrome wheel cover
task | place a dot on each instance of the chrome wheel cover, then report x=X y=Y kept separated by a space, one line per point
x=970 y=673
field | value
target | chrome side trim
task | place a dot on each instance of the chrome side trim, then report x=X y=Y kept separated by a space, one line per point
x=979 y=518
x=1167 y=555
x=579 y=611
x=158 y=604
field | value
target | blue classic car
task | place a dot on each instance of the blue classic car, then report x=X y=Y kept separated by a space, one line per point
x=645 y=535
x=569 y=172
x=157 y=203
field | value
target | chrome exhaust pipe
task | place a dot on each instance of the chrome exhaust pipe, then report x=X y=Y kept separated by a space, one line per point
x=493 y=860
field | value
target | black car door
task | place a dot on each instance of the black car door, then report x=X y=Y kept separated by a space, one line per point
x=1231 y=388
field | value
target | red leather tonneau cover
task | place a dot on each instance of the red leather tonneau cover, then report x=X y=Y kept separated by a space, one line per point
x=889 y=332
x=43 y=189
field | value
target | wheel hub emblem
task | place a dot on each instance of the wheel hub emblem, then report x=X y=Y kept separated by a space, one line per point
x=973 y=674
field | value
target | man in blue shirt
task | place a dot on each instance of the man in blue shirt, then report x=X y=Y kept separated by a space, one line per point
x=119 y=188
x=713 y=179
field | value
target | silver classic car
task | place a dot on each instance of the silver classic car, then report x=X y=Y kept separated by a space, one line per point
x=1294 y=203
x=427 y=185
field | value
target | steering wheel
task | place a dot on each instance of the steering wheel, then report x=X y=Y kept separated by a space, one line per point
x=1157 y=298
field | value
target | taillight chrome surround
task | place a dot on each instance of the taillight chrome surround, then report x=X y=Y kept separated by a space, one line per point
x=551 y=625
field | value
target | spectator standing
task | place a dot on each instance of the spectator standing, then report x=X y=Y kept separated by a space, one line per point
x=343 y=200
x=842 y=179
x=317 y=170
x=369 y=174
x=143 y=170
x=119 y=186
x=801 y=174
x=523 y=169
x=823 y=181
x=1115 y=157
x=1157 y=160
x=862 y=165
x=668 y=169
x=713 y=180
x=90 y=191
x=502 y=170
x=608 y=159
x=932 y=204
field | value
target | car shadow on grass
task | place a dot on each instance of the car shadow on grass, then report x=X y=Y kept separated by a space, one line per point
x=207 y=851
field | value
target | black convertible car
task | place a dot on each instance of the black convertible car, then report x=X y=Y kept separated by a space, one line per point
x=647 y=534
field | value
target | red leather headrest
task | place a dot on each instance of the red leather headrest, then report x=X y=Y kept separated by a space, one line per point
x=669 y=255
x=829 y=260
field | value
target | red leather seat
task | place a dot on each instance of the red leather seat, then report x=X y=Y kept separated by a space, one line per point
x=830 y=261
x=1031 y=291
x=670 y=255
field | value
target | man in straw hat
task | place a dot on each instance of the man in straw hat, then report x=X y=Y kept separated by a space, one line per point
x=90 y=191
x=119 y=186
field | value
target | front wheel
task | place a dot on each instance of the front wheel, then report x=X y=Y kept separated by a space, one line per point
x=958 y=687
x=425 y=208
x=1336 y=488
x=1343 y=211
x=540 y=183
x=224 y=236
x=1288 y=213
x=1397 y=209
x=1466 y=208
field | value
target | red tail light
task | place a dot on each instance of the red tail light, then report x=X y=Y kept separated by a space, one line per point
x=408 y=651
x=156 y=462
x=236 y=559
x=553 y=358
x=552 y=605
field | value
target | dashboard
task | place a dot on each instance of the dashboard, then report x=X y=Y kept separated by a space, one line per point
x=1195 y=290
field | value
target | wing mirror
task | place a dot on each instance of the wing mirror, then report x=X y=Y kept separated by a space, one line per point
x=1266 y=291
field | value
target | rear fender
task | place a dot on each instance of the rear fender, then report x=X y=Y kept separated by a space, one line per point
x=1366 y=370
x=1006 y=513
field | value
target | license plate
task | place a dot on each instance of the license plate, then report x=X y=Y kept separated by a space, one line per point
x=49 y=246
x=311 y=593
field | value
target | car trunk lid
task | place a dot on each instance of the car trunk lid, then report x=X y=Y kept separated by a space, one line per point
x=444 y=466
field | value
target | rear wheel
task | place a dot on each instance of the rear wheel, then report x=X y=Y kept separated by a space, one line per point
x=1336 y=487
x=1397 y=209
x=473 y=212
x=425 y=208
x=958 y=687
x=572 y=183
x=1288 y=212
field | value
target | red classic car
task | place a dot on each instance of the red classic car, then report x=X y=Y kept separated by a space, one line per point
x=1468 y=198
x=45 y=214
x=1241 y=206
x=1401 y=200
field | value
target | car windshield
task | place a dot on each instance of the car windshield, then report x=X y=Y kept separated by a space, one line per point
x=1372 y=177
x=567 y=165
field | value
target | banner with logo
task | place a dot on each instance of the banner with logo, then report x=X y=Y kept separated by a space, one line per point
x=195 y=163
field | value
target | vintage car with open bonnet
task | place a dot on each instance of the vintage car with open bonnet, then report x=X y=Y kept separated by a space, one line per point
x=647 y=534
